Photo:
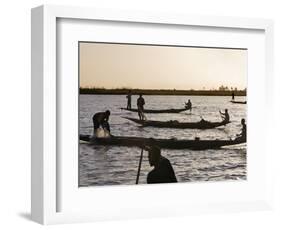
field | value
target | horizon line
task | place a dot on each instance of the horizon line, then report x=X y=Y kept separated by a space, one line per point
x=225 y=88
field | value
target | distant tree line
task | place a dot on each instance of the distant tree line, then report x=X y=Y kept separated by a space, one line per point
x=222 y=91
x=226 y=88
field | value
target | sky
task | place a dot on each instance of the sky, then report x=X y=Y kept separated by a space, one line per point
x=160 y=67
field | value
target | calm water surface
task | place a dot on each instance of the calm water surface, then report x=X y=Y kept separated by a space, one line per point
x=108 y=165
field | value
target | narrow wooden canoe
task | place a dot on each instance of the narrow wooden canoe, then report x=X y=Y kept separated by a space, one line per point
x=179 y=125
x=239 y=102
x=162 y=143
x=159 y=110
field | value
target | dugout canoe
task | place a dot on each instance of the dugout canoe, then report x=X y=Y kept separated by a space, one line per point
x=179 y=125
x=239 y=102
x=196 y=144
x=158 y=110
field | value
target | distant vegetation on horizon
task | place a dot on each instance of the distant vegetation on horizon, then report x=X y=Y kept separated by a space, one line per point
x=221 y=91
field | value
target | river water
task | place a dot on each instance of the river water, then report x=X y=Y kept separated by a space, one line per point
x=108 y=165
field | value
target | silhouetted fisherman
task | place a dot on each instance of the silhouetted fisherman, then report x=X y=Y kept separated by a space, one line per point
x=163 y=171
x=140 y=105
x=242 y=135
x=225 y=116
x=188 y=105
x=233 y=96
x=129 y=100
x=101 y=119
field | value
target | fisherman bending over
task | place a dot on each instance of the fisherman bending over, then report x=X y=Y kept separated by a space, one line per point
x=163 y=171
x=225 y=115
x=140 y=105
x=129 y=100
x=242 y=135
x=101 y=119
x=188 y=105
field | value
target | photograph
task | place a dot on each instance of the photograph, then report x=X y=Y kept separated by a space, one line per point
x=157 y=113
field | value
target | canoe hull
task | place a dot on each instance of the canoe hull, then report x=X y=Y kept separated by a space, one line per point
x=158 y=111
x=239 y=102
x=162 y=143
x=178 y=125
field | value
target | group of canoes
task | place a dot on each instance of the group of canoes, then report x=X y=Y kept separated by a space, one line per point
x=102 y=134
x=162 y=171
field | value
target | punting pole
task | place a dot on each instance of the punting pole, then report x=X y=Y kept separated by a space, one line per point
x=138 y=175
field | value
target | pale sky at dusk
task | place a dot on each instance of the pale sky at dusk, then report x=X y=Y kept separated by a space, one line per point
x=161 y=67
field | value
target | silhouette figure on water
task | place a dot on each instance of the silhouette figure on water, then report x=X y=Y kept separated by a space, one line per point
x=101 y=119
x=243 y=134
x=129 y=100
x=188 y=105
x=163 y=171
x=225 y=115
x=140 y=105
x=233 y=96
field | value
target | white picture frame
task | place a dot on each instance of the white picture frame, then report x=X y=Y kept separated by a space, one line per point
x=47 y=182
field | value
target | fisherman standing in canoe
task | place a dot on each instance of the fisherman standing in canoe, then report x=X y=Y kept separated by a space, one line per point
x=101 y=119
x=188 y=105
x=225 y=116
x=233 y=96
x=129 y=100
x=140 y=105
x=163 y=171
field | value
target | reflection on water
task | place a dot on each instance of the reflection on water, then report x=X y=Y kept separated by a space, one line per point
x=108 y=165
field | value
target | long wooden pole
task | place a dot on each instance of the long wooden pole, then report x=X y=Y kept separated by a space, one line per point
x=138 y=175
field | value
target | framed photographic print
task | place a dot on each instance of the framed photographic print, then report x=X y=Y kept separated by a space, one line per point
x=137 y=114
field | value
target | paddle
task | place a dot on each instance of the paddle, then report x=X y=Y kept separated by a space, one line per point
x=222 y=117
x=138 y=175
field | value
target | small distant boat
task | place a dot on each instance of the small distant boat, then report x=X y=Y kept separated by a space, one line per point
x=238 y=102
x=179 y=125
x=196 y=144
x=159 y=110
